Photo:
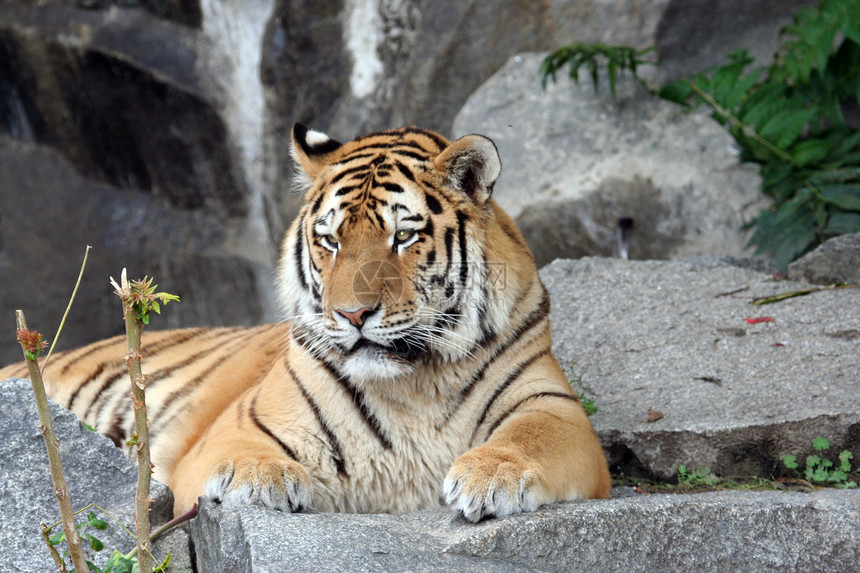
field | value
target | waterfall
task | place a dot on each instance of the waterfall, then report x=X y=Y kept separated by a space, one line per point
x=230 y=52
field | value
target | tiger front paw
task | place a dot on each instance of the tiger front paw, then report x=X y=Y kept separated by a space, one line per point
x=271 y=482
x=491 y=482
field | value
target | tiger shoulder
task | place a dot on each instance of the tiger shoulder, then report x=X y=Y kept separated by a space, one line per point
x=413 y=366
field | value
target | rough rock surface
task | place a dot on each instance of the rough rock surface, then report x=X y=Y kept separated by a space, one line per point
x=575 y=162
x=834 y=262
x=96 y=472
x=674 y=337
x=724 y=531
x=49 y=213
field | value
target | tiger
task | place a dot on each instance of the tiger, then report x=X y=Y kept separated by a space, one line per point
x=412 y=367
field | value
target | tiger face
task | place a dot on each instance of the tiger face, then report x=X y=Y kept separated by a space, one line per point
x=392 y=224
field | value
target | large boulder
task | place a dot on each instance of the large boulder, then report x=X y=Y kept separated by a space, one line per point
x=576 y=161
x=737 y=385
x=96 y=473
x=49 y=213
x=112 y=136
x=834 y=262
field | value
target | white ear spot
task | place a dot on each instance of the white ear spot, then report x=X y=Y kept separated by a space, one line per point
x=314 y=138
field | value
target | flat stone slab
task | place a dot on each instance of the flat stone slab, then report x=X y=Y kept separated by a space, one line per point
x=674 y=337
x=720 y=531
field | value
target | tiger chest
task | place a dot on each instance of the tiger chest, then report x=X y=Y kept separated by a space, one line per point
x=402 y=471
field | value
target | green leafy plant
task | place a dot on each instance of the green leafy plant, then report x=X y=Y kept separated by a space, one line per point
x=823 y=471
x=590 y=56
x=788 y=118
x=117 y=562
x=587 y=401
x=697 y=477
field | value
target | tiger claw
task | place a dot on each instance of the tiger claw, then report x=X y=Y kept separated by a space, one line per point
x=488 y=486
x=277 y=484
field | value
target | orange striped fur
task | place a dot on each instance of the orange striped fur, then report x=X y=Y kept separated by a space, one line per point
x=413 y=366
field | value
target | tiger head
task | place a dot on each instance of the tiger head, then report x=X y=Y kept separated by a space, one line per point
x=387 y=265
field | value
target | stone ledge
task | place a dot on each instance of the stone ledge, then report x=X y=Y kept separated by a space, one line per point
x=719 y=531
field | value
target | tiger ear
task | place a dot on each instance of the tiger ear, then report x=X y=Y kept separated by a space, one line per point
x=472 y=165
x=311 y=148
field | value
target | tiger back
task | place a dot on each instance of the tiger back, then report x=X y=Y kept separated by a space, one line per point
x=413 y=366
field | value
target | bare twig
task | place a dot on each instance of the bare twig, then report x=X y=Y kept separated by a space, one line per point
x=31 y=344
x=68 y=308
x=758 y=301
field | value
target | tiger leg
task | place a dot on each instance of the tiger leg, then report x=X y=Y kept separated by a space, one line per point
x=545 y=453
x=239 y=466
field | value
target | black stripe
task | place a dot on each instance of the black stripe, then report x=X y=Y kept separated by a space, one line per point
x=488 y=334
x=433 y=203
x=531 y=321
x=317 y=203
x=521 y=367
x=462 y=218
x=437 y=139
x=410 y=154
x=100 y=394
x=358 y=400
x=355 y=170
x=299 y=255
x=227 y=347
x=334 y=444
x=449 y=248
x=151 y=349
x=392 y=146
x=348 y=189
x=392 y=187
x=352 y=157
x=405 y=171
x=123 y=417
x=507 y=414
x=265 y=429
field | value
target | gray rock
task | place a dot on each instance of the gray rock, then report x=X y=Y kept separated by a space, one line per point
x=349 y=67
x=90 y=79
x=49 y=213
x=724 y=531
x=96 y=472
x=673 y=337
x=836 y=261
x=260 y=540
x=575 y=162
x=693 y=35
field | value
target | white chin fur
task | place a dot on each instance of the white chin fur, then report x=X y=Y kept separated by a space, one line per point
x=371 y=364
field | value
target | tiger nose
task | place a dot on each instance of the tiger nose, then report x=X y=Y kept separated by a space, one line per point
x=356 y=317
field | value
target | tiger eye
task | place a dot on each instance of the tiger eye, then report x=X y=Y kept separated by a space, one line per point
x=404 y=235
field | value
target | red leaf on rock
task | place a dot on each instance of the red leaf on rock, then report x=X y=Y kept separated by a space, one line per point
x=760 y=319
